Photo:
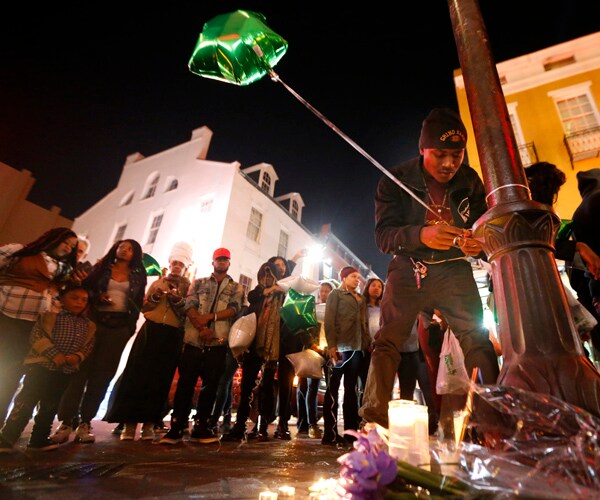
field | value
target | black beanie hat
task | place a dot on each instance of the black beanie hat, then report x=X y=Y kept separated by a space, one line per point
x=443 y=129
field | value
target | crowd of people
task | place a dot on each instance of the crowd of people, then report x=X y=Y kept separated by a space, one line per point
x=65 y=324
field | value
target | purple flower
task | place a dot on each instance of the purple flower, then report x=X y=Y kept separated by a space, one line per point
x=367 y=469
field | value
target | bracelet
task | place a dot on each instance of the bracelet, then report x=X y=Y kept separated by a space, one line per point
x=215 y=316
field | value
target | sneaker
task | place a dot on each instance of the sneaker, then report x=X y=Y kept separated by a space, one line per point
x=62 y=434
x=83 y=435
x=118 y=429
x=5 y=446
x=45 y=445
x=174 y=436
x=128 y=433
x=147 y=432
x=161 y=428
x=314 y=432
x=203 y=436
x=235 y=434
x=282 y=433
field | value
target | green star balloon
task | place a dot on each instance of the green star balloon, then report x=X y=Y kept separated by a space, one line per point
x=298 y=311
x=228 y=46
x=151 y=265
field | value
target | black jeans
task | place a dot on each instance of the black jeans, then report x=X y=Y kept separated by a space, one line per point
x=87 y=387
x=208 y=363
x=251 y=366
x=14 y=344
x=349 y=368
x=42 y=386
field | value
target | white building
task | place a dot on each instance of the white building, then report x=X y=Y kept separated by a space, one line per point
x=178 y=195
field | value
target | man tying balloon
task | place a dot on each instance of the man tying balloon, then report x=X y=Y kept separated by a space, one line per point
x=430 y=239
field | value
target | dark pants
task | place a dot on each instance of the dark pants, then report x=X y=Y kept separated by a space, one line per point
x=290 y=343
x=449 y=287
x=140 y=392
x=413 y=369
x=87 y=388
x=14 y=345
x=350 y=370
x=223 y=398
x=252 y=364
x=306 y=403
x=42 y=386
x=207 y=363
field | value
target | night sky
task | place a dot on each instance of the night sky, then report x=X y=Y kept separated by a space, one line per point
x=81 y=90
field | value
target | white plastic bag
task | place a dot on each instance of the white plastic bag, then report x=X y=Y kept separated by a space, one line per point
x=452 y=373
x=583 y=319
x=307 y=363
x=242 y=334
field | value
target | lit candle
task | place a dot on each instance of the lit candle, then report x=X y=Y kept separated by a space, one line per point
x=267 y=495
x=287 y=491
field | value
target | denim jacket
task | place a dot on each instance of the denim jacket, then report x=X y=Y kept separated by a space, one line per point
x=201 y=296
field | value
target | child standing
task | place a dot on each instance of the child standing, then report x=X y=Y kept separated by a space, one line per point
x=59 y=342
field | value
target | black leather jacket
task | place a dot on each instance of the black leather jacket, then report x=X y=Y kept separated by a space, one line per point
x=399 y=217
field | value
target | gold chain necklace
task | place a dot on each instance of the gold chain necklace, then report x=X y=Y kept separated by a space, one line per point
x=437 y=207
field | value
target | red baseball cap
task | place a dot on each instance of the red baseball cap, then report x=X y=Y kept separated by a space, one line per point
x=221 y=252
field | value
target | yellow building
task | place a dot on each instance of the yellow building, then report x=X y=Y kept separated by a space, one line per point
x=22 y=221
x=552 y=96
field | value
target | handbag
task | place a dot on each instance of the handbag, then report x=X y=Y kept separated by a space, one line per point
x=307 y=363
x=242 y=334
x=452 y=374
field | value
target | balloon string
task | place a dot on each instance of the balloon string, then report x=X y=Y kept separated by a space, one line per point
x=275 y=77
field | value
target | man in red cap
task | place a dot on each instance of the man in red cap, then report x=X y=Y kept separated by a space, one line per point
x=210 y=306
x=430 y=248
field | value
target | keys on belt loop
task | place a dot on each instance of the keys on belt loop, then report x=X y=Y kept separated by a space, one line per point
x=420 y=271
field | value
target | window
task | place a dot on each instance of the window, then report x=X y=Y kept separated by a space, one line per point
x=580 y=120
x=295 y=209
x=172 y=186
x=284 y=239
x=527 y=158
x=120 y=233
x=127 y=199
x=246 y=283
x=151 y=189
x=254 y=224
x=156 y=221
x=265 y=184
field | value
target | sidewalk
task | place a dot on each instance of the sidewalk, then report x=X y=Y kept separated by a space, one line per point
x=114 y=469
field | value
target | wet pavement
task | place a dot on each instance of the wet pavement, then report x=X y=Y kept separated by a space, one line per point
x=114 y=469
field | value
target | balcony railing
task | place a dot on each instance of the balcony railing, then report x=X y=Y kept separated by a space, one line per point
x=583 y=144
x=528 y=154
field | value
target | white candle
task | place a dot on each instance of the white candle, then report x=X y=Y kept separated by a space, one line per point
x=287 y=491
x=267 y=495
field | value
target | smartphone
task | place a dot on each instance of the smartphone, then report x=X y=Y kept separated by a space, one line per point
x=86 y=266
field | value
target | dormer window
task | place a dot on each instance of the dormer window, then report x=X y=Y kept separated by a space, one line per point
x=265 y=184
x=151 y=189
x=294 y=209
x=172 y=185
x=127 y=199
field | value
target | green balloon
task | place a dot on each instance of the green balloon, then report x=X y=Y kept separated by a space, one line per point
x=151 y=265
x=226 y=48
x=298 y=311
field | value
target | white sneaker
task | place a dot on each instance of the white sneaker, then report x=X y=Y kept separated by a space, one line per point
x=62 y=434
x=148 y=432
x=128 y=433
x=83 y=435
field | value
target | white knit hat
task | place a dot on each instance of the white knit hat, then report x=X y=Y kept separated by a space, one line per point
x=182 y=252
